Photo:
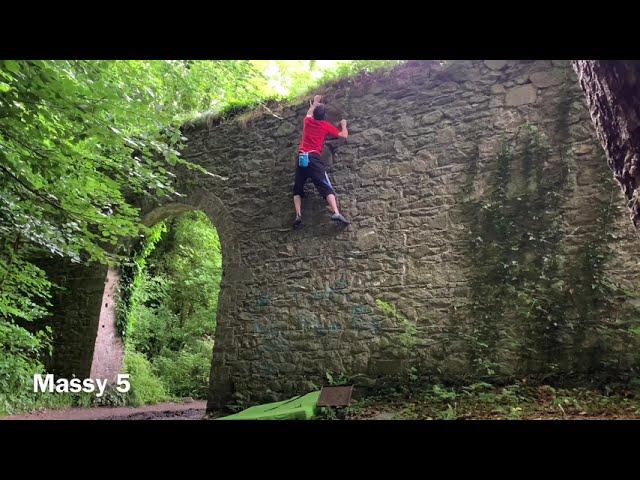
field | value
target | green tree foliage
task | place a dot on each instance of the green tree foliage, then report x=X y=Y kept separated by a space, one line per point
x=78 y=139
x=132 y=275
x=342 y=70
x=18 y=364
x=290 y=79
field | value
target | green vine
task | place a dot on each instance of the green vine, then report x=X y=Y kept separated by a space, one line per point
x=534 y=299
x=408 y=338
x=130 y=274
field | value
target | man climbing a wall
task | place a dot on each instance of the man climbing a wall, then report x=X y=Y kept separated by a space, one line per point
x=310 y=165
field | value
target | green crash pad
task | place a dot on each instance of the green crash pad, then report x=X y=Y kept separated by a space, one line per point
x=297 y=408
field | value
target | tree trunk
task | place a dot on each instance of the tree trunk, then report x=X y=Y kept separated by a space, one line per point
x=612 y=88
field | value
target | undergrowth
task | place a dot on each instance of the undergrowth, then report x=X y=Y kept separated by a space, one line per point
x=168 y=310
x=483 y=400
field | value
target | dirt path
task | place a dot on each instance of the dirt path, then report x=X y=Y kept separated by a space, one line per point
x=163 y=411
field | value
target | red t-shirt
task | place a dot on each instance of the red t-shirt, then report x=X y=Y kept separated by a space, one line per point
x=314 y=133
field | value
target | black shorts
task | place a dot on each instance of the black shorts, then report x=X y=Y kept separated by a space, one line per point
x=316 y=172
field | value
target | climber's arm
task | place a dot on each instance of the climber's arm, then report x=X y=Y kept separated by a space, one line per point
x=333 y=132
x=344 y=133
x=312 y=106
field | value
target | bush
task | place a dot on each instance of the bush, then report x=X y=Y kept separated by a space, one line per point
x=146 y=388
x=19 y=361
x=186 y=373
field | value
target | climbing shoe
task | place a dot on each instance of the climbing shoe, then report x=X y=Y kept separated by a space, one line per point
x=297 y=223
x=339 y=219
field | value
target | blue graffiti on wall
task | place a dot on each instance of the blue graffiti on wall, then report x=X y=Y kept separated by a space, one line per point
x=360 y=319
x=331 y=292
x=332 y=327
x=262 y=299
x=312 y=323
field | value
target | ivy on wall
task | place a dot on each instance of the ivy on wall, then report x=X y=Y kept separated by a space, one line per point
x=538 y=305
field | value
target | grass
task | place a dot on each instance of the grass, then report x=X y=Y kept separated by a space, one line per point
x=47 y=401
x=245 y=110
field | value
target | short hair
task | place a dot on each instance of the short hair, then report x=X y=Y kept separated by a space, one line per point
x=318 y=112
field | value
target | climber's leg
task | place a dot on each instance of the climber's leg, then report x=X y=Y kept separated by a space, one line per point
x=298 y=193
x=337 y=216
x=297 y=203
x=320 y=179
x=331 y=200
x=322 y=183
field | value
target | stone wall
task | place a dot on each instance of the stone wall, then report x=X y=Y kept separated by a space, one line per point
x=477 y=200
x=389 y=291
x=76 y=305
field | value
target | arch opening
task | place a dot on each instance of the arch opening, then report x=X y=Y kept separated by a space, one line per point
x=164 y=319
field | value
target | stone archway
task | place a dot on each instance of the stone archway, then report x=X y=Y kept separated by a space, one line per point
x=108 y=353
x=296 y=305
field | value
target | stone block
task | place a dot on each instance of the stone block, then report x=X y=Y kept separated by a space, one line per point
x=373 y=170
x=431 y=118
x=285 y=129
x=495 y=64
x=547 y=78
x=386 y=367
x=521 y=95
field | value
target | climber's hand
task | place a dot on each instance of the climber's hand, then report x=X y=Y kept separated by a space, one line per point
x=313 y=105
x=344 y=133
